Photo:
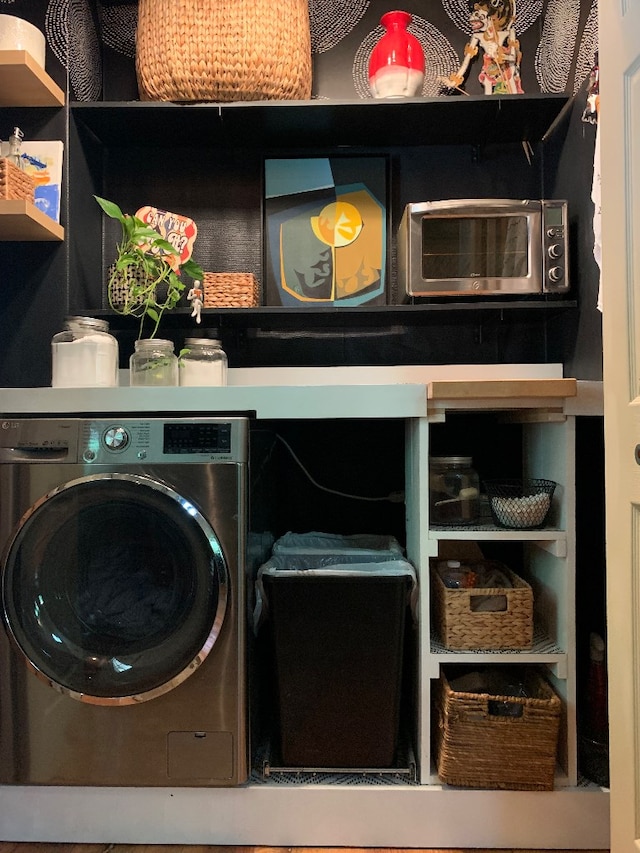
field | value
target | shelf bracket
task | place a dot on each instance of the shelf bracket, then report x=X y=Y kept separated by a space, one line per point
x=555 y=547
x=559 y=669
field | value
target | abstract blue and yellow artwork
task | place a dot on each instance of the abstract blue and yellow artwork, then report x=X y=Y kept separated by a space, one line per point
x=326 y=231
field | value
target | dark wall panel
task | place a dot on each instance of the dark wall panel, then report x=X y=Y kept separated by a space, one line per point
x=222 y=190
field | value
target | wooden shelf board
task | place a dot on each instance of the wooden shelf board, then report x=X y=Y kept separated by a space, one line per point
x=24 y=83
x=21 y=220
x=501 y=389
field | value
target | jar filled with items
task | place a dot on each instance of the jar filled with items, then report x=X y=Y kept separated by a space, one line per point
x=454 y=490
x=84 y=355
x=153 y=363
x=203 y=362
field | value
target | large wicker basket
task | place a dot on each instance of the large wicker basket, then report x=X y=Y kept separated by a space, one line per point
x=461 y=623
x=223 y=50
x=484 y=740
x=14 y=183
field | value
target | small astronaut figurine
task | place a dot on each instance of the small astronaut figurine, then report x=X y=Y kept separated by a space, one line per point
x=195 y=296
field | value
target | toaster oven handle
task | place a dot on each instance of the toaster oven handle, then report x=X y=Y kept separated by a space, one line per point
x=480 y=203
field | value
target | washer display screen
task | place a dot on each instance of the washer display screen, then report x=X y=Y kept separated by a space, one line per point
x=197 y=438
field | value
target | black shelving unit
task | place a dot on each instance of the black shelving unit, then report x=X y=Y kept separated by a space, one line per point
x=336 y=318
x=206 y=161
x=456 y=120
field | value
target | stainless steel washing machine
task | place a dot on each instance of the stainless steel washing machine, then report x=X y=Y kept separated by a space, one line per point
x=122 y=655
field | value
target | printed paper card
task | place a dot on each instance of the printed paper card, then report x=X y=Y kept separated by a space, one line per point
x=43 y=161
x=180 y=231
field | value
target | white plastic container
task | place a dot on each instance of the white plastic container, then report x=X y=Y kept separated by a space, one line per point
x=17 y=34
x=84 y=355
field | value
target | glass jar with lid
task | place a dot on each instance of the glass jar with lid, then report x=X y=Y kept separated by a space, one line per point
x=84 y=355
x=203 y=362
x=454 y=490
x=153 y=363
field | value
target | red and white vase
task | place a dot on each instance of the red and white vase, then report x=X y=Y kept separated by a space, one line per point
x=396 y=65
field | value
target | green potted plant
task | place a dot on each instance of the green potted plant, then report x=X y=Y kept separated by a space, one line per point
x=144 y=280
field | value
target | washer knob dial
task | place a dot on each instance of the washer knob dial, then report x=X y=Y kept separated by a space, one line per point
x=116 y=438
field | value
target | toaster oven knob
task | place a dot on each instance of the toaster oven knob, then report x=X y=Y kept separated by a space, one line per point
x=555 y=250
x=556 y=273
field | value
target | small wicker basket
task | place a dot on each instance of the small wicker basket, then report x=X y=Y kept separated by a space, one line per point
x=485 y=740
x=212 y=50
x=14 y=183
x=230 y=290
x=461 y=625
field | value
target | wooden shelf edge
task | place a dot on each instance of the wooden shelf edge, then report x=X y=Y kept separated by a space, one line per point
x=24 y=83
x=22 y=220
x=501 y=389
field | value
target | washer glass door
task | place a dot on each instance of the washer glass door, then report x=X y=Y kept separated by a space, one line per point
x=114 y=588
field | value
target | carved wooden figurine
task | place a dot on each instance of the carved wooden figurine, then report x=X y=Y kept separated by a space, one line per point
x=493 y=31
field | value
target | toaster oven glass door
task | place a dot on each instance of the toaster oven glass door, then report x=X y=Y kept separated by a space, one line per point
x=458 y=248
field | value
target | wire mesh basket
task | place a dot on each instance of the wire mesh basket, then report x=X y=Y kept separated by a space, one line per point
x=520 y=504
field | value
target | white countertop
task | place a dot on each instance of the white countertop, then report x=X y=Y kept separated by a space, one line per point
x=297 y=393
x=278 y=401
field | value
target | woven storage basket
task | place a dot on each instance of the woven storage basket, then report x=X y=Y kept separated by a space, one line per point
x=230 y=290
x=14 y=183
x=479 y=748
x=223 y=50
x=461 y=626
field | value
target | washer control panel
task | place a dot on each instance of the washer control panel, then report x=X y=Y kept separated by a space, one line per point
x=125 y=441
x=159 y=441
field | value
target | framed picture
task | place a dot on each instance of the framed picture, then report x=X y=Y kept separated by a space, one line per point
x=326 y=231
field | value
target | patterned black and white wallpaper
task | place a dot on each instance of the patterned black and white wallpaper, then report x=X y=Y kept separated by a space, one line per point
x=558 y=40
x=94 y=41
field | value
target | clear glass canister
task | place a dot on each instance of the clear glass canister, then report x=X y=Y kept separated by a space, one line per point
x=84 y=355
x=454 y=490
x=204 y=362
x=154 y=363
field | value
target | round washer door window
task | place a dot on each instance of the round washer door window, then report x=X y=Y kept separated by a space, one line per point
x=114 y=588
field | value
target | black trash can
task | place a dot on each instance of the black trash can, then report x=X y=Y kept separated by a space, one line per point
x=338 y=645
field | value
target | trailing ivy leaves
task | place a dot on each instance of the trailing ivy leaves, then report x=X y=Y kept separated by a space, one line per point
x=144 y=281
